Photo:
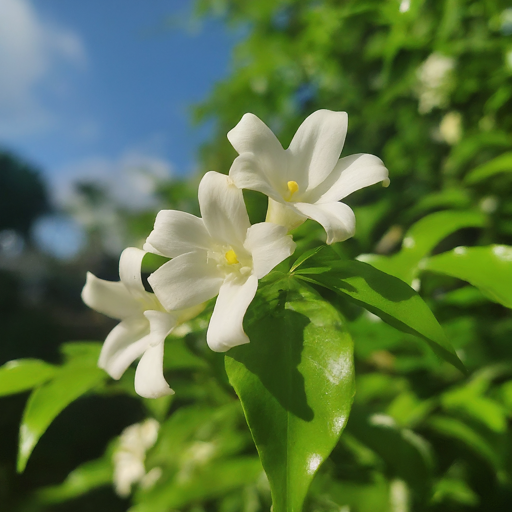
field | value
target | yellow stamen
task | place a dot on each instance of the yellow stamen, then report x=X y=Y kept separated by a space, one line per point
x=293 y=187
x=231 y=257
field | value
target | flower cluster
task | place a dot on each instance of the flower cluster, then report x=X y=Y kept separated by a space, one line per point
x=220 y=254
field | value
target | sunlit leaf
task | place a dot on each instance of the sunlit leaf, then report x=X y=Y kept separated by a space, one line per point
x=420 y=240
x=383 y=295
x=23 y=374
x=488 y=268
x=296 y=384
x=46 y=402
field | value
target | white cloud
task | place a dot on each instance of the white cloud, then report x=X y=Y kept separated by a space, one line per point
x=33 y=52
x=130 y=180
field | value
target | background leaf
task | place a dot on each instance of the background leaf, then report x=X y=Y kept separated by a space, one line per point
x=23 y=374
x=420 y=240
x=487 y=268
x=502 y=163
x=296 y=384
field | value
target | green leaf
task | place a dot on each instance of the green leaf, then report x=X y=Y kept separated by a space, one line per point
x=468 y=436
x=85 y=478
x=488 y=268
x=420 y=240
x=305 y=256
x=82 y=351
x=47 y=401
x=502 y=163
x=386 y=296
x=407 y=455
x=201 y=483
x=23 y=374
x=296 y=384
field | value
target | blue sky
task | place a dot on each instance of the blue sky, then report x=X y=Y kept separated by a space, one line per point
x=88 y=89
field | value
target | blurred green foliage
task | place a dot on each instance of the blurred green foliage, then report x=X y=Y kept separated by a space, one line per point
x=428 y=88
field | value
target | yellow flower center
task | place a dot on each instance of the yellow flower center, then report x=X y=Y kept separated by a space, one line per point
x=293 y=187
x=231 y=257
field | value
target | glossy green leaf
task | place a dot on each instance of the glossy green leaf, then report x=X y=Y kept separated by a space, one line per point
x=23 y=374
x=296 y=384
x=46 y=402
x=382 y=294
x=502 y=163
x=420 y=240
x=488 y=268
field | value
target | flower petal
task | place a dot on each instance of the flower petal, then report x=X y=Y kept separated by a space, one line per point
x=129 y=271
x=149 y=376
x=226 y=325
x=316 y=147
x=284 y=214
x=252 y=135
x=350 y=174
x=186 y=281
x=223 y=209
x=337 y=219
x=247 y=172
x=110 y=298
x=177 y=233
x=125 y=343
x=269 y=244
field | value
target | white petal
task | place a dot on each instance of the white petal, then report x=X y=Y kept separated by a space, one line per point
x=110 y=298
x=269 y=245
x=350 y=174
x=149 y=376
x=247 y=172
x=316 y=147
x=129 y=270
x=226 y=325
x=284 y=214
x=177 y=233
x=125 y=343
x=252 y=135
x=337 y=219
x=186 y=281
x=223 y=209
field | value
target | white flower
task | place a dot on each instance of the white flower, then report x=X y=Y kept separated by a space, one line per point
x=220 y=253
x=130 y=455
x=434 y=82
x=143 y=328
x=308 y=179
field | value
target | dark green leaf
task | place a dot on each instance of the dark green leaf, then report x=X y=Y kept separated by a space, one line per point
x=23 y=374
x=502 y=163
x=296 y=384
x=456 y=429
x=88 y=476
x=406 y=454
x=386 y=296
x=487 y=268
